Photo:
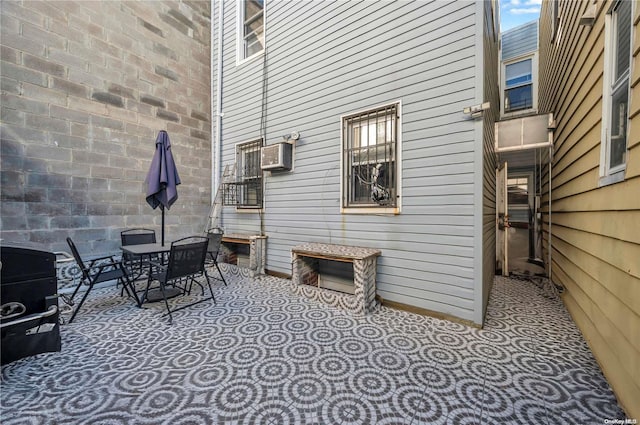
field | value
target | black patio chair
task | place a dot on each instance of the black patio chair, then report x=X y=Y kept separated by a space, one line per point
x=185 y=263
x=214 y=235
x=99 y=270
x=136 y=236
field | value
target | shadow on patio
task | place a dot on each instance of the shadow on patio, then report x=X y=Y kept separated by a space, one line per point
x=266 y=355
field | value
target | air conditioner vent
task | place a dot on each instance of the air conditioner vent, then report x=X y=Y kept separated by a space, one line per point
x=276 y=157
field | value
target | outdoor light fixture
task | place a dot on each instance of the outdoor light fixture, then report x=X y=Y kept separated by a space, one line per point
x=589 y=16
x=476 y=110
x=291 y=137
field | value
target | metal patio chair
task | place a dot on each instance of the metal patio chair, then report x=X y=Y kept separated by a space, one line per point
x=99 y=270
x=185 y=263
x=214 y=236
x=136 y=236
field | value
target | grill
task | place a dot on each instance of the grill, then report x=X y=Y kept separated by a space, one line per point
x=29 y=312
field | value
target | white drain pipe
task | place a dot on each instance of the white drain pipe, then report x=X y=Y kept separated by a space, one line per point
x=217 y=134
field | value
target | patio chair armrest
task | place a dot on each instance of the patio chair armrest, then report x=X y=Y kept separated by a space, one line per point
x=107 y=257
x=100 y=268
x=157 y=265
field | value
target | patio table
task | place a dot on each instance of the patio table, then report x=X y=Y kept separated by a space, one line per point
x=150 y=249
x=146 y=249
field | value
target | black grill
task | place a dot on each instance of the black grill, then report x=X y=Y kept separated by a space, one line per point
x=29 y=311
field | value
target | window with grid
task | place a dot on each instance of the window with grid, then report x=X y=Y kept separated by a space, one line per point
x=250 y=28
x=518 y=92
x=616 y=90
x=370 y=142
x=248 y=186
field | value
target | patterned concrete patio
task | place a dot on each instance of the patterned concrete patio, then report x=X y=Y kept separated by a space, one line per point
x=264 y=355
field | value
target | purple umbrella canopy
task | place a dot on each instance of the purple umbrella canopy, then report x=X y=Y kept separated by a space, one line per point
x=162 y=179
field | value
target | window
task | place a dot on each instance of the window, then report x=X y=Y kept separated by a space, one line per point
x=369 y=163
x=250 y=28
x=248 y=185
x=555 y=20
x=616 y=88
x=518 y=199
x=518 y=92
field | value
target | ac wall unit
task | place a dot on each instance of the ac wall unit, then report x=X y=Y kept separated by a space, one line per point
x=276 y=157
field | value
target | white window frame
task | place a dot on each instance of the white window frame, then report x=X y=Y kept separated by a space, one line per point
x=610 y=175
x=241 y=150
x=344 y=208
x=240 y=44
x=534 y=84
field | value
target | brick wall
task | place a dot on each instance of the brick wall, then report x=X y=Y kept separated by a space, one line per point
x=86 y=86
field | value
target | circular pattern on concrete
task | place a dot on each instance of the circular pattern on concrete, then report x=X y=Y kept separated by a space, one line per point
x=306 y=391
x=273 y=412
x=374 y=384
x=349 y=410
x=388 y=361
x=237 y=396
x=208 y=377
x=272 y=371
x=301 y=351
x=332 y=366
x=263 y=354
x=353 y=348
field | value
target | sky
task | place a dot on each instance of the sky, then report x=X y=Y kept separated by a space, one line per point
x=516 y=12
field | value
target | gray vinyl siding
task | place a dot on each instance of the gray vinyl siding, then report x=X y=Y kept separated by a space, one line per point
x=520 y=40
x=328 y=59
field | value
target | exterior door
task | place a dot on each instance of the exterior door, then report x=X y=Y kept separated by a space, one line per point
x=502 y=221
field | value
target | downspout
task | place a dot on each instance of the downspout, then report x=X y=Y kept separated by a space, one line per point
x=263 y=112
x=217 y=134
x=549 y=227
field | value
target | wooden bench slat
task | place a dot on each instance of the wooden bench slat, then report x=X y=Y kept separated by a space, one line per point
x=236 y=240
x=325 y=257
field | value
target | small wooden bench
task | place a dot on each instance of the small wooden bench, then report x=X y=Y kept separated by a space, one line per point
x=257 y=250
x=305 y=267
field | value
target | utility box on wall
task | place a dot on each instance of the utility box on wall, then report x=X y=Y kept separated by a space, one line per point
x=277 y=157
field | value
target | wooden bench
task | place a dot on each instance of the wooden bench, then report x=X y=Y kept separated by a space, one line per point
x=305 y=269
x=257 y=250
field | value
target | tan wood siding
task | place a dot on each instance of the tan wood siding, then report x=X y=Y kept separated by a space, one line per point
x=492 y=95
x=595 y=230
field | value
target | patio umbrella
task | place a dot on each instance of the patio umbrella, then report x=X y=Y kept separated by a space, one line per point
x=162 y=180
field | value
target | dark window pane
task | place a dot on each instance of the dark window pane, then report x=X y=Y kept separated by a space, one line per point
x=619 y=125
x=251 y=7
x=248 y=185
x=370 y=165
x=253 y=44
x=623 y=38
x=518 y=73
x=518 y=98
x=253 y=27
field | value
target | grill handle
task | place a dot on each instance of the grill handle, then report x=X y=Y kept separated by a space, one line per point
x=11 y=310
x=53 y=309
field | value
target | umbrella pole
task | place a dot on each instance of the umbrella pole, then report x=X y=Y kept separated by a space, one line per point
x=162 y=232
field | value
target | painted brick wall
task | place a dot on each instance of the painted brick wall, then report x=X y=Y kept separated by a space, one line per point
x=86 y=86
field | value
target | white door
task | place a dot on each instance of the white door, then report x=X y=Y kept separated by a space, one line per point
x=502 y=221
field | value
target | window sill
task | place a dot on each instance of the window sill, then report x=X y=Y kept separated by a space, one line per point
x=613 y=178
x=519 y=112
x=249 y=210
x=370 y=210
x=245 y=61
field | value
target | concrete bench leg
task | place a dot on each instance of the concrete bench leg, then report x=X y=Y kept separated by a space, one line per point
x=364 y=279
x=257 y=256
